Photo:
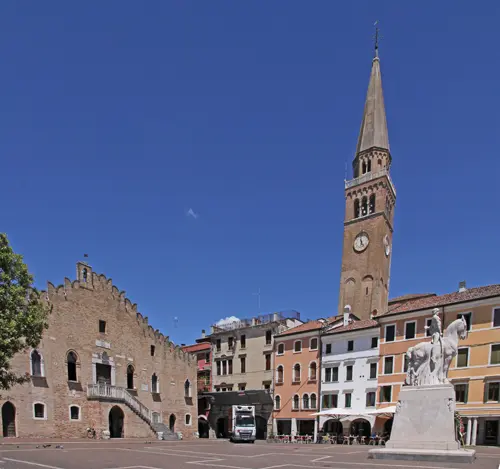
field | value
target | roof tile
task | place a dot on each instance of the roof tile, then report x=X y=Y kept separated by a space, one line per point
x=355 y=325
x=442 y=300
x=197 y=347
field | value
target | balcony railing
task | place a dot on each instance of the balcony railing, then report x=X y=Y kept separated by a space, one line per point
x=115 y=393
x=369 y=177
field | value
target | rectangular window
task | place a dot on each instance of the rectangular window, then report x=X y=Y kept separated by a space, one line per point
x=230 y=343
x=410 y=330
x=241 y=387
x=373 y=370
x=268 y=361
x=493 y=392
x=385 y=394
x=224 y=367
x=495 y=354
x=428 y=324
x=496 y=317
x=207 y=357
x=463 y=357
x=243 y=364
x=461 y=393
x=102 y=326
x=348 y=373
x=243 y=341
x=217 y=345
x=330 y=401
x=328 y=375
x=152 y=350
x=405 y=363
x=388 y=365
x=370 y=399
x=230 y=367
x=348 y=396
x=328 y=349
x=297 y=346
x=350 y=345
x=314 y=344
x=335 y=374
x=217 y=364
x=390 y=333
x=374 y=342
x=269 y=336
x=468 y=319
x=267 y=386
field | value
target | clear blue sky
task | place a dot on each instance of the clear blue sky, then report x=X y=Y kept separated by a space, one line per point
x=118 y=117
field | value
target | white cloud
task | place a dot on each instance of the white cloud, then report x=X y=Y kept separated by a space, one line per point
x=191 y=213
x=226 y=321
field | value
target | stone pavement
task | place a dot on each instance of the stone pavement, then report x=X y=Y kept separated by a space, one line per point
x=140 y=454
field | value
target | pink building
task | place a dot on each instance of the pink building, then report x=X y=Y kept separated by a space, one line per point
x=203 y=351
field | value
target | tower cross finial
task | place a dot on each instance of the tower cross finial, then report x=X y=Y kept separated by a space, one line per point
x=376 y=38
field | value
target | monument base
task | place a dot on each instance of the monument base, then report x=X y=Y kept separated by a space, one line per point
x=424 y=427
x=452 y=456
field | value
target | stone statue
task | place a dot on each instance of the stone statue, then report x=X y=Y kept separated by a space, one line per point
x=429 y=362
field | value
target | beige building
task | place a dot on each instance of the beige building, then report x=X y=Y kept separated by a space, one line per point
x=100 y=365
x=242 y=357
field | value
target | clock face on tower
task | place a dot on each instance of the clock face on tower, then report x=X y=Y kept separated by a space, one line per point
x=361 y=242
x=387 y=246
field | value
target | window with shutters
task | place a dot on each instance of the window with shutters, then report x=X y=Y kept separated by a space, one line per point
x=370 y=399
x=495 y=354
x=461 y=391
x=493 y=391
x=373 y=370
x=348 y=397
x=390 y=333
x=388 y=365
x=348 y=373
x=463 y=357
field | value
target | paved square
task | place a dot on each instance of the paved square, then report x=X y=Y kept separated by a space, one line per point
x=116 y=454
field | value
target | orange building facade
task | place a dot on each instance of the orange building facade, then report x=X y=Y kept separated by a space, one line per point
x=297 y=367
x=475 y=371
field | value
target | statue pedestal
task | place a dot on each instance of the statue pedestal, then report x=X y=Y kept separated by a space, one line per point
x=424 y=427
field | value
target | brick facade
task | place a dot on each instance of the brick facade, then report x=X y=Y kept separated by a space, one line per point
x=80 y=309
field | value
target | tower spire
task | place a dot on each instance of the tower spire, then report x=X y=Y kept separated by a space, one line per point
x=373 y=132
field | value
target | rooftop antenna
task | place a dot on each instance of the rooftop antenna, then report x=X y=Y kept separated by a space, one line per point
x=258 y=295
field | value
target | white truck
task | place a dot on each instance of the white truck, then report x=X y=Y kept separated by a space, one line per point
x=242 y=420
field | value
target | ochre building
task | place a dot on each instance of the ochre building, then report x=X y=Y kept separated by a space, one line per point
x=100 y=365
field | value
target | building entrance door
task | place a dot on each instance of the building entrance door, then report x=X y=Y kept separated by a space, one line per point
x=116 y=418
x=491 y=432
x=103 y=374
x=9 y=420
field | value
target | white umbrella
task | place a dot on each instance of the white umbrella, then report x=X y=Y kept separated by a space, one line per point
x=335 y=413
x=385 y=411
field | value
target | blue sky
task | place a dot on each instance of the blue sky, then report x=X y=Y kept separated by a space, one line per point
x=118 y=117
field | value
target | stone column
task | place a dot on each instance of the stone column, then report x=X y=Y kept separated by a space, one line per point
x=294 y=426
x=474 y=431
x=275 y=426
x=316 y=430
x=469 y=431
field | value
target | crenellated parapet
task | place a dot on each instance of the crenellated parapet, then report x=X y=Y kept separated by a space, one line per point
x=91 y=281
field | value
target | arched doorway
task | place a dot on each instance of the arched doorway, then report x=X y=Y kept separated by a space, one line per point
x=116 y=418
x=9 y=420
x=260 y=428
x=360 y=427
x=171 y=423
x=203 y=427
x=333 y=427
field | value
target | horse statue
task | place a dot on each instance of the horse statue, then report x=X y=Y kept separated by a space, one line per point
x=429 y=362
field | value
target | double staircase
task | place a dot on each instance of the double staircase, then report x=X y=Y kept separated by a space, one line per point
x=118 y=394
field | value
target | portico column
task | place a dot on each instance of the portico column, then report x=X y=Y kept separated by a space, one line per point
x=316 y=430
x=474 y=431
x=275 y=426
x=469 y=431
x=294 y=427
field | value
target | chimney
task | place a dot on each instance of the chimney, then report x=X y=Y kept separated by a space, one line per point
x=347 y=312
x=203 y=334
x=462 y=286
x=183 y=345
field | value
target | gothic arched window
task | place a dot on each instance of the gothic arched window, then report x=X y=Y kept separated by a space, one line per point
x=364 y=206
x=356 y=208
x=372 y=204
x=71 y=361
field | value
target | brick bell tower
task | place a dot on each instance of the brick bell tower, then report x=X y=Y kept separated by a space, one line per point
x=369 y=211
